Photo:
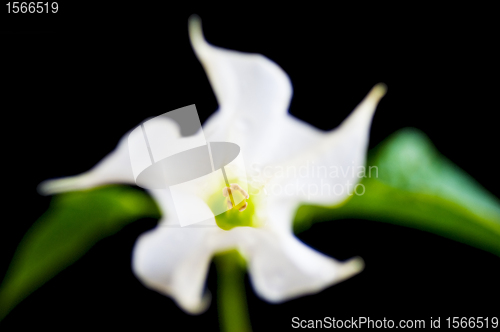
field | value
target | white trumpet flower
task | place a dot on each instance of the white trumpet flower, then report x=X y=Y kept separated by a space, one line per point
x=254 y=96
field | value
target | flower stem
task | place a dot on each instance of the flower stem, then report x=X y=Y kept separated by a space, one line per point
x=231 y=298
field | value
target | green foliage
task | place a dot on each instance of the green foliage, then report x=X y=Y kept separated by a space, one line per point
x=415 y=187
x=418 y=187
x=72 y=225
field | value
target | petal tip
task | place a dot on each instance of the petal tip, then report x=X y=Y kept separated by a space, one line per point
x=195 y=31
x=50 y=187
x=350 y=268
x=378 y=91
x=197 y=307
x=43 y=188
x=56 y=186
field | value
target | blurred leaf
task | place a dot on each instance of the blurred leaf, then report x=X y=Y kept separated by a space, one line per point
x=418 y=187
x=74 y=222
x=415 y=186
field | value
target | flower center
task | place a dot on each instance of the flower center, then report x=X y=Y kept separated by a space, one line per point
x=239 y=205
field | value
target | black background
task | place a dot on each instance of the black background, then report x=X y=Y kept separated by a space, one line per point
x=74 y=82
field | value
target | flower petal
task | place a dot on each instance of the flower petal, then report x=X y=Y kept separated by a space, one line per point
x=254 y=94
x=175 y=262
x=328 y=172
x=242 y=82
x=163 y=198
x=114 y=168
x=286 y=137
x=117 y=166
x=282 y=268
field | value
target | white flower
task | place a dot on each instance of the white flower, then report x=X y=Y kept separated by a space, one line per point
x=254 y=95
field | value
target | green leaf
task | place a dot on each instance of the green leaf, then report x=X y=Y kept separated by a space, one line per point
x=418 y=187
x=73 y=223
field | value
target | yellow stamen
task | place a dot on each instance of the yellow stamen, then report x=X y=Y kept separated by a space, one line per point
x=228 y=193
